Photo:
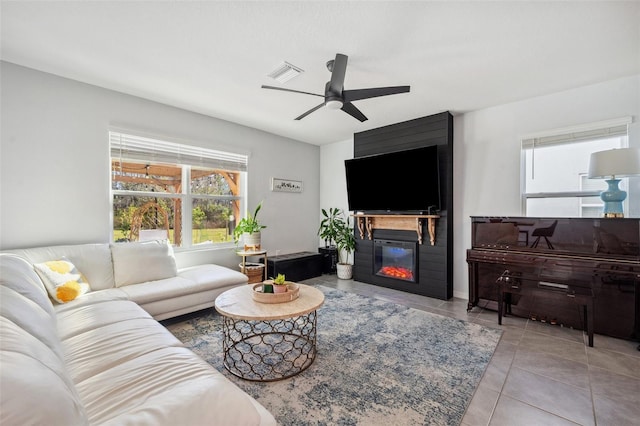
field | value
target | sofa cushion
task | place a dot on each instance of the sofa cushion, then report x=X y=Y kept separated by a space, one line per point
x=196 y=279
x=62 y=279
x=94 y=260
x=19 y=276
x=214 y=276
x=27 y=315
x=33 y=394
x=93 y=352
x=135 y=263
x=73 y=322
x=185 y=304
x=24 y=302
x=92 y=298
x=170 y=386
x=160 y=290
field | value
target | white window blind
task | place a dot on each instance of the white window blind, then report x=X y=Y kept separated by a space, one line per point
x=133 y=147
x=599 y=130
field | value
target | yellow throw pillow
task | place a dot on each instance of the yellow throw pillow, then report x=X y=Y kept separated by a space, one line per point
x=63 y=281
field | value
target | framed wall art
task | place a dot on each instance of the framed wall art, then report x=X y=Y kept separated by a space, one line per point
x=286 y=185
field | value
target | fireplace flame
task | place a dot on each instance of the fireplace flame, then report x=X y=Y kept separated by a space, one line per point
x=397 y=272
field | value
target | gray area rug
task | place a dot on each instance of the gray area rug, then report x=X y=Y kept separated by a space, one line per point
x=378 y=363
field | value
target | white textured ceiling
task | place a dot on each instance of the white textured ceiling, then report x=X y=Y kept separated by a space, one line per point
x=212 y=57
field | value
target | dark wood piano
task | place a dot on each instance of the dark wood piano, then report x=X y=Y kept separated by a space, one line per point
x=546 y=265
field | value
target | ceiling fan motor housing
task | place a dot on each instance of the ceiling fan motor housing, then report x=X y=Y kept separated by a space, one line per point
x=331 y=99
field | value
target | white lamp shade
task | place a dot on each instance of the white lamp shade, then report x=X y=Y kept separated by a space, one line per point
x=614 y=162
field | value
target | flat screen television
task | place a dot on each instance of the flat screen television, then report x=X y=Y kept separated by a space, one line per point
x=398 y=182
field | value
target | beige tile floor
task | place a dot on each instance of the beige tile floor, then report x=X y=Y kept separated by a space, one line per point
x=540 y=374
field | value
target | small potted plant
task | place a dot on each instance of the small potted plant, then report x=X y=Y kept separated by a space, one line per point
x=249 y=228
x=279 y=284
x=346 y=244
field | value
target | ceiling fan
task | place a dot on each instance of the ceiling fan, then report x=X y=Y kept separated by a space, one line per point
x=335 y=97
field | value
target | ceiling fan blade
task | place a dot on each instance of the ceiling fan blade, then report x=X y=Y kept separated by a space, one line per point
x=310 y=111
x=354 y=95
x=351 y=109
x=337 y=74
x=290 y=90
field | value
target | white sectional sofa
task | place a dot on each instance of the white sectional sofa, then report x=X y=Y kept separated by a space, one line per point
x=145 y=273
x=103 y=358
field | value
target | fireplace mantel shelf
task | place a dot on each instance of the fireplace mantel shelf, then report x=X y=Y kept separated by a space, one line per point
x=397 y=222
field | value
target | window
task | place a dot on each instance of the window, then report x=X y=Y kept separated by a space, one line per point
x=554 y=169
x=166 y=190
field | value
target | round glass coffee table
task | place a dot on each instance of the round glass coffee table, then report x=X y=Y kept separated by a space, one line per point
x=268 y=341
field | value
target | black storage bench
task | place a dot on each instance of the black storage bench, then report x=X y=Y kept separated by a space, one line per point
x=295 y=266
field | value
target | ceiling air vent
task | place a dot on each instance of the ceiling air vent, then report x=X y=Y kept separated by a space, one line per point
x=285 y=72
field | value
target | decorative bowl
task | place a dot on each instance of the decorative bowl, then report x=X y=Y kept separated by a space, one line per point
x=292 y=293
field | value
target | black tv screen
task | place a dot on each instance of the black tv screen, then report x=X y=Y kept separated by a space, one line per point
x=403 y=182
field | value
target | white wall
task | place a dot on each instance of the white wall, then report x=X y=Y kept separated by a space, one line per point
x=333 y=184
x=487 y=154
x=54 y=157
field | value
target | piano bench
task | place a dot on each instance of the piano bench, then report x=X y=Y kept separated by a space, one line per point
x=509 y=284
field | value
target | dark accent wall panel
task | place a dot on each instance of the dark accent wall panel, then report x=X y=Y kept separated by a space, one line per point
x=435 y=274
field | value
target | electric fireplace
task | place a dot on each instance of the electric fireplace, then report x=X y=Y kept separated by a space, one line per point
x=395 y=259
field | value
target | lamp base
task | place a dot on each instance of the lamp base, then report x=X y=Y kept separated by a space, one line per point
x=613 y=198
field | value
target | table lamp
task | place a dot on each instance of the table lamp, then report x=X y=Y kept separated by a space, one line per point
x=614 y=164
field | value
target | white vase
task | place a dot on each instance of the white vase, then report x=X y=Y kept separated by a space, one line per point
x=251 y=241
x=345 y=271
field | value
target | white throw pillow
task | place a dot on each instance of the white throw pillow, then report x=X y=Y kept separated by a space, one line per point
x=62 y=279
x=135 y=263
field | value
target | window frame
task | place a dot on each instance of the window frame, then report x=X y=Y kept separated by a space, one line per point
x=570 y=135
x=186 y=196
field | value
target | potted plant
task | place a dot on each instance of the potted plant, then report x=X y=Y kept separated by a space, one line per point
x=279 y=284
x=328 y=230
x=329 y=225
x=249 y=228
x=346 y=244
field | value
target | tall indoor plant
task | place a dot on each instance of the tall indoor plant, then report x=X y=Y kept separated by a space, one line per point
x=329 y=225
x=328 y=231
x=250 y=230
x=346 y=244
